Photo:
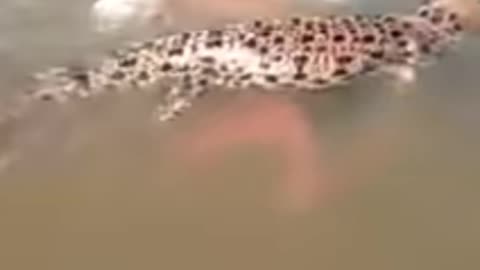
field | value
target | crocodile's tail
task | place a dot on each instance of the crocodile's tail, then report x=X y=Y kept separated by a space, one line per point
x=55 y=85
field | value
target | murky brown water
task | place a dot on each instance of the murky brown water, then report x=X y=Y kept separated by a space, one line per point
x=103 y=189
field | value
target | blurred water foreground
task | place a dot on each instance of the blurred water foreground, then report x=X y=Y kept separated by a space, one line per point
x=357 y=178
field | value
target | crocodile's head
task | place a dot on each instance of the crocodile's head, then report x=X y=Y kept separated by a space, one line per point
x=464 y=12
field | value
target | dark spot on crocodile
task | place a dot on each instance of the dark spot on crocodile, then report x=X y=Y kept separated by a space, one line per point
x=402 y=43
x=277 y=58
x=380 y=27
x=436 y=19
x=340 y=72
x=203 y=82
x=389 y=19
x=215 y=33
x=296 y=21
x=407 y=54
x=309 y=25
x=320 y=81
x=118 y=75
x=271 y=78
x=377 y=54
x=251 y=43
x=352 y=31
x=321 y=48
x=210 y=71
x=425 y=48
x=407 y=25
x=338 y=38
x=82 y=77
x=368 y=39
x=344 y=59
x=424 y=13
x=265 y=65
x=186 y=36
x=263 y=50
x=143 y=75
x=187 y=78
x=246 y=76
x=166 y=67
x=396 y=33
x=257 y=24
x=148 y=45
x=322 y=26
x=307 y=38
x=300 y=60
x=359 y=17
x=452 y=16
x=224 y=68
x=46 y=97
x=299 y=76
x=214 y=43
x=175 y=51
x=267 y=31
x=207 y=59
x=278 y=40
x=457 y=27
x=128 y=62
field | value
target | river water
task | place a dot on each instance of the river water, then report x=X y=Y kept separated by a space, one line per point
x=97 y=186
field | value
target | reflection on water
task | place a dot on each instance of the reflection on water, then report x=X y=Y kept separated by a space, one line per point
x=387 y=182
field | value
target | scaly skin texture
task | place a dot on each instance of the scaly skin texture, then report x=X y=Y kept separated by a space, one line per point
x=299 y=54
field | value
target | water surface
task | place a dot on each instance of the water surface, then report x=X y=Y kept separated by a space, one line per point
x=102 y=188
